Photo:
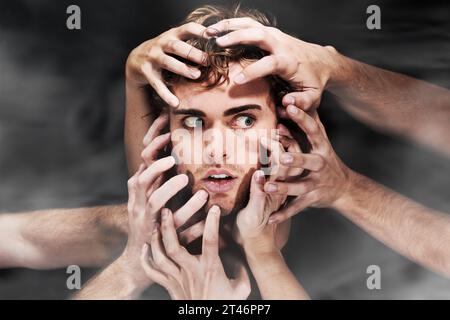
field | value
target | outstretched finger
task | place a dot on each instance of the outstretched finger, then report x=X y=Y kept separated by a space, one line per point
x=232 y=24
x=210 y=246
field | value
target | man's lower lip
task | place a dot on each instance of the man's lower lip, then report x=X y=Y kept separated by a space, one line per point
x=219 y=186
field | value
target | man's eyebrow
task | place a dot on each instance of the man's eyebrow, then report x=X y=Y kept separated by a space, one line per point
x=235 y=110
x=190 y=112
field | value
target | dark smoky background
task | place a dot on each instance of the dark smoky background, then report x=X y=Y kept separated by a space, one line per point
x=61 y=124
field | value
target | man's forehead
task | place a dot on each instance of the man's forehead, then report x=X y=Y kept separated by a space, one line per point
x=224 y=96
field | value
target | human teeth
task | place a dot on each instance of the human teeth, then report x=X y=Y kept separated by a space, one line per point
x=218 y=176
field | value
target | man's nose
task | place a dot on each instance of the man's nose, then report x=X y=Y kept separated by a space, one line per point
x=216 y=144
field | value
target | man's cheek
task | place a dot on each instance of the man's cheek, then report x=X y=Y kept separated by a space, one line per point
x=245 y=151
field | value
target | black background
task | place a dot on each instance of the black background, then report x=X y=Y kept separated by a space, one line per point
x=61 y=126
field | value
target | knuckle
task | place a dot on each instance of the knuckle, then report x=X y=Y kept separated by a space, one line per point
x=152 y=54
x=171 y=45
x=260 y=34
x=131 y=183
x=210 y=241
x=189 y=27
x=314 y=127
x=173 y=251
x=320 y=163
x=141 y=182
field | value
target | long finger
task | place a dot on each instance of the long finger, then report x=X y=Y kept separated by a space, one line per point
x=210 y=246
x=176 y=66
x=156 y=128
x=149 y=270
x=293 y=208
x=191 y=29
x=308 y=161
x=278 y=170
x=154 y=79
x=195 y=203
x=163 y=194
x=185 y=50
x=306 y=100
x=150 y=153
x=290 y=188
x=149 y=175
x=263 y=67
x=259 y=37
x=192 y=233
x=308 y=125
x=227 y=25
x=132 y=187
x=161 y=261
x=172 y=246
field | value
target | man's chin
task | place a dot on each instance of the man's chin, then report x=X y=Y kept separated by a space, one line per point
x=226 y=209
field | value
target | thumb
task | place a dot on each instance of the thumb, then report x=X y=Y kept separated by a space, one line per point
x=257 y=195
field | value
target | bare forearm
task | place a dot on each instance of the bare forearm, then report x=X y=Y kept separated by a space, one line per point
x=275 y=280
x=393 y=102
x=60 y=237
x=116 y=282
x=419 y=233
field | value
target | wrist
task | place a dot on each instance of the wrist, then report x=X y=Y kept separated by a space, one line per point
x=338 y=66
x=259 y=250
x=345 y=201
x=132 y=272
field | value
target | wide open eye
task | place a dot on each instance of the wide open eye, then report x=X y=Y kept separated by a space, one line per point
x=193 y=122
x=243 y=122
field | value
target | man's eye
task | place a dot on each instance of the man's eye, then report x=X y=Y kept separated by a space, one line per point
x=193 y=122
x=244 y=122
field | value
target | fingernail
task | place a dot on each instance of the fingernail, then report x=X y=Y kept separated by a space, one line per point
x=222 y=40
x=174 y=102
x=164 y=213
x=184 y=178
x=259 y=175
x=171 y=160
x=215 y=209
x=287 y=158
x=240 y=78
x=203 y=194
x=292 y=109
x=271 y=187
x=195 y=74
x=290 y=100
x=212 y=30
x=272 y=220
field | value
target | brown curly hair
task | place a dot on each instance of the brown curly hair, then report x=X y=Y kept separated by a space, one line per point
x=216 y=70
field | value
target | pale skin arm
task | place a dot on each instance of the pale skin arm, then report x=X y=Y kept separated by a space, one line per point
x=258 y=239
x=413 y=230
x=419 y=233
x=274 y=278
x=386 y=100
x=393 y=102
x=125 y=278
x=56 y=238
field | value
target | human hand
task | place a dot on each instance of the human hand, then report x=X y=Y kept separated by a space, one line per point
x=328 y=179
x=191 y=277
x=307 y=67
x=251 y=229
x=145 y=62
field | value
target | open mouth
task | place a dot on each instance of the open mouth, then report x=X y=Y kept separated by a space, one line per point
x=219 y=182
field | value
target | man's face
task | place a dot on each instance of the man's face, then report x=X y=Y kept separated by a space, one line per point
x=215 y=136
